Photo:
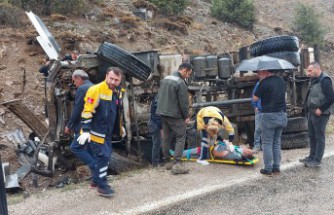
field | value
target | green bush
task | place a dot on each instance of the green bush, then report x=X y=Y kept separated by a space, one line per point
x=307 y=24
x=241 y=12
x=10 y=15
x=69 y=7
x=46 y=7
x=170 y=7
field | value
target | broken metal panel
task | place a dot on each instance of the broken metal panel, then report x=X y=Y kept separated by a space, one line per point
x=2 y=116
x=28 y=117
x=16 y=136
x=46 y=39
x=127 y=119
x=4 y=167
x=169 y=63
x=12 y=181
x=151 y=59
x=51 y=83
x=23 y=171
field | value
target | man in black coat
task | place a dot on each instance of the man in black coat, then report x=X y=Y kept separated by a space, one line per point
x=319 y=99
x=82 y=83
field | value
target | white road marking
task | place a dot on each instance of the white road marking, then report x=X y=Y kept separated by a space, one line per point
x=201 y=191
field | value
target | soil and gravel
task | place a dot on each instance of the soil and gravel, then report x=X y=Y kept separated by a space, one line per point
x=21 y=57
x=140 y=191
x=300 y=190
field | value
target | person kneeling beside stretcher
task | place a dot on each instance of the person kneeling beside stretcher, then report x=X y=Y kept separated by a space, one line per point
x=209 y=121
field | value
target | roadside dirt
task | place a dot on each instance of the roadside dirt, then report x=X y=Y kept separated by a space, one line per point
x=20 y=59
x=140 y=191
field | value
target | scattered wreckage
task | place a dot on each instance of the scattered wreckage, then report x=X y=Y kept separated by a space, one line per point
x=214 y=82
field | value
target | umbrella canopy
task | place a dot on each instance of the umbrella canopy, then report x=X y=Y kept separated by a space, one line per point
x=264 y=63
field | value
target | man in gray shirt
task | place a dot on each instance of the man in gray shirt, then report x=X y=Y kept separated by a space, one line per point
x=173 y=106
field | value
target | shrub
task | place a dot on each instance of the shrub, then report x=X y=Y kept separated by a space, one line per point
x=129 y=21
x=144 y=4
x=70 y=39
x=10 y=15
x=172 y=26
x=307 y=24
x=67 y=7
x=241 y=12
x=46 y=7
x=170 y=7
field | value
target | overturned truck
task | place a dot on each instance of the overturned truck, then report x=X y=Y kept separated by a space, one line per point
x=214 y=82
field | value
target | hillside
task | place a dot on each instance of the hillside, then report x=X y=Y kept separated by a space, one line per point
x=20 y=56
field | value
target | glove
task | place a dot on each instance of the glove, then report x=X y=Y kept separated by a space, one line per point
x=230 y=146
x=85 y=136
x=123 y=132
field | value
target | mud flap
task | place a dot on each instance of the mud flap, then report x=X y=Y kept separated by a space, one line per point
x=28 y=117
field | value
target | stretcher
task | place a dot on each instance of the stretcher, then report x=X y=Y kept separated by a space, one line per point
x=245 y=162
x=242 y=162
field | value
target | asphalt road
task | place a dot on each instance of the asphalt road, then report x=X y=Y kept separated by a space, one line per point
x=298 y=190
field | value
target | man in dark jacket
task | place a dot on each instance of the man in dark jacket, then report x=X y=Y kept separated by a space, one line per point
x=98 y=121
x=82 y=83
x=320 y=97
x=173 y=106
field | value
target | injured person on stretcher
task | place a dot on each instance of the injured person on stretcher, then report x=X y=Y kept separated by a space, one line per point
x=213 y=148
x=220 y=151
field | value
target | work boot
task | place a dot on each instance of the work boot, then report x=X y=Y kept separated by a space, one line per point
x=266 y=172
x=106 y=192
x=93 y=185
x=276 y=171
x=179 y=168
x=304 y=160
x=313 y=164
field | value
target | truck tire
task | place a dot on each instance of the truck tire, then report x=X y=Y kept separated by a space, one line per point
x=295 y=141
x=130 y=64
x=119 y=163
x=292 y=57
x=296 y=125
x=274 y=44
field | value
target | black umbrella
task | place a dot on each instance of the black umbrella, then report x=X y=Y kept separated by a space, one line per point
x=264 y=63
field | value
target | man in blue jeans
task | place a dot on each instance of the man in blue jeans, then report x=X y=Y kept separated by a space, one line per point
x=258 y=116
x=155 y=129
x=320 y=97
x=271 y=91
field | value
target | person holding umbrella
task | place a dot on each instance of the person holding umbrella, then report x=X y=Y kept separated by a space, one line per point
x=258 y=117
x=271 y=91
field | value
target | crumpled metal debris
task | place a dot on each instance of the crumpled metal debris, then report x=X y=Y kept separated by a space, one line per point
x=2 y=116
